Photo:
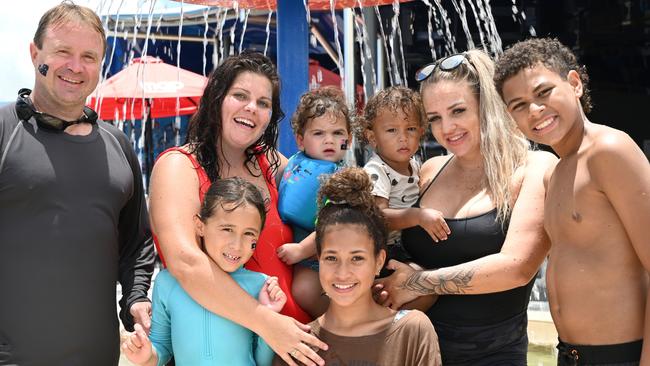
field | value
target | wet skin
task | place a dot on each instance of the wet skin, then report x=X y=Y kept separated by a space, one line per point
x=596 y=212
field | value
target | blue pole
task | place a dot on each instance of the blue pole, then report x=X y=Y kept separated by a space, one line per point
x=293 y=65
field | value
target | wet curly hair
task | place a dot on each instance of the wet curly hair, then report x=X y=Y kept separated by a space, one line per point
x=346 y=198
x=205 y=127
x=391 y=99
x=546 y=51
x=317 y=102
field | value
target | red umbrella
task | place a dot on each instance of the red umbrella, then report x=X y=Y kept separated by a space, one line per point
x=167 y=90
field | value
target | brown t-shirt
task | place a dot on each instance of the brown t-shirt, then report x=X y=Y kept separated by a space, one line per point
x=409 y=341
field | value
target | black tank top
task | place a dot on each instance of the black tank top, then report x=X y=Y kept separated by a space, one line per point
x=471 y=238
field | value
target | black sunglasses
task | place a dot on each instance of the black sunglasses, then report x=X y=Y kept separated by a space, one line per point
x=25 y=110
x=448 y=63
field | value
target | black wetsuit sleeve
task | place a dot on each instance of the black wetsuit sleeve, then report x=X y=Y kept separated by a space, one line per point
x=137 y=253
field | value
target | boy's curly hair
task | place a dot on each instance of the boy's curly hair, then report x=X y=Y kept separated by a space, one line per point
x=546 y=51
x=317 y=102
x=391 y=99
x=346 y=198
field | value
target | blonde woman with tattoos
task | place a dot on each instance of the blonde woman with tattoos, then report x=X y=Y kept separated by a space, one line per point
x=490 y=191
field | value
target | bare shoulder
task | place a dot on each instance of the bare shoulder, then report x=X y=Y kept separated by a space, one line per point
x=432 y=166
x=171 y=170
x=540 y=163
x=173 y=160
x=607 y=140
x=613 y=153
x=539 y=159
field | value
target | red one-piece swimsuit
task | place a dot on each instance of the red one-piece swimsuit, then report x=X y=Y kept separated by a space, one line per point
x=274 y=234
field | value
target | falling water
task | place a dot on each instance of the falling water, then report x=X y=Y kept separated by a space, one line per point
x=221 y=54
x=394 y=23
x=440 y=37
x=205 y=39
x=99 y=99
x=148 y=33
x=364 y=52
x=231 y=46
x=519 y=16
x=177 y=123
x=159 y=23
x=268 y=31
x=338 y=43
x=462 y=13
x=134 y=42
x=396 y=11
x=494 y=40
x=431 y=14
x=243 y=32
x=538 y=296
x=307 y=12
x=367 y=53
x=450 y=44
x=477 y=19
x=383 y=37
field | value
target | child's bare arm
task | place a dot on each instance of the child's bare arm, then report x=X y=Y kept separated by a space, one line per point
x=138 y=349
x=292 y=253
x=271 y=295
x=432 y=221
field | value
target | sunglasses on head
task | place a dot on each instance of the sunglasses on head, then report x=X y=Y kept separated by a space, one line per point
x=25 y=110
x=448 y=63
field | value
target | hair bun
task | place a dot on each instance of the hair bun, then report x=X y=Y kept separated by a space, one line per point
x=350 y=186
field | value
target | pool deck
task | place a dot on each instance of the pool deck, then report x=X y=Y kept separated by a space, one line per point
x=541 y=330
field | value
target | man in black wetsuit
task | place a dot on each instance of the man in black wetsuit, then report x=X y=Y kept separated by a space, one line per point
x=73 y=218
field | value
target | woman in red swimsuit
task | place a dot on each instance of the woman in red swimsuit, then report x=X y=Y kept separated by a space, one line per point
x=232 y=134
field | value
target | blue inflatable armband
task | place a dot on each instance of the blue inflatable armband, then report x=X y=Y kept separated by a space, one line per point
x=299 y=189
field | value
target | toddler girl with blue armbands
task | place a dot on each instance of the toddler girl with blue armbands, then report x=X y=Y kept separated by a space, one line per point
x=323 y=129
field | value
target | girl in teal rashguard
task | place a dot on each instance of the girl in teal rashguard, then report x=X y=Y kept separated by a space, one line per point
x=229 y=223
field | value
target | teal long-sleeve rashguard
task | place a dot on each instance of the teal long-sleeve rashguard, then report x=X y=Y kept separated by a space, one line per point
x=184 y=329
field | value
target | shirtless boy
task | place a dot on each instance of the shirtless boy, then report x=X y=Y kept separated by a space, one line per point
x=597 y=209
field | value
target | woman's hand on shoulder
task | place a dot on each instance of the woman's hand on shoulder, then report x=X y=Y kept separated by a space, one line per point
x=291 y=340
x=392 y=291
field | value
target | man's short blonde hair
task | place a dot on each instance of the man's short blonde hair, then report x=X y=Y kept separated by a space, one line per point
x=65 y=12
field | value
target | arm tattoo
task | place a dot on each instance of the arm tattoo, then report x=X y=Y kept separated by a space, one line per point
x=454 y=282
